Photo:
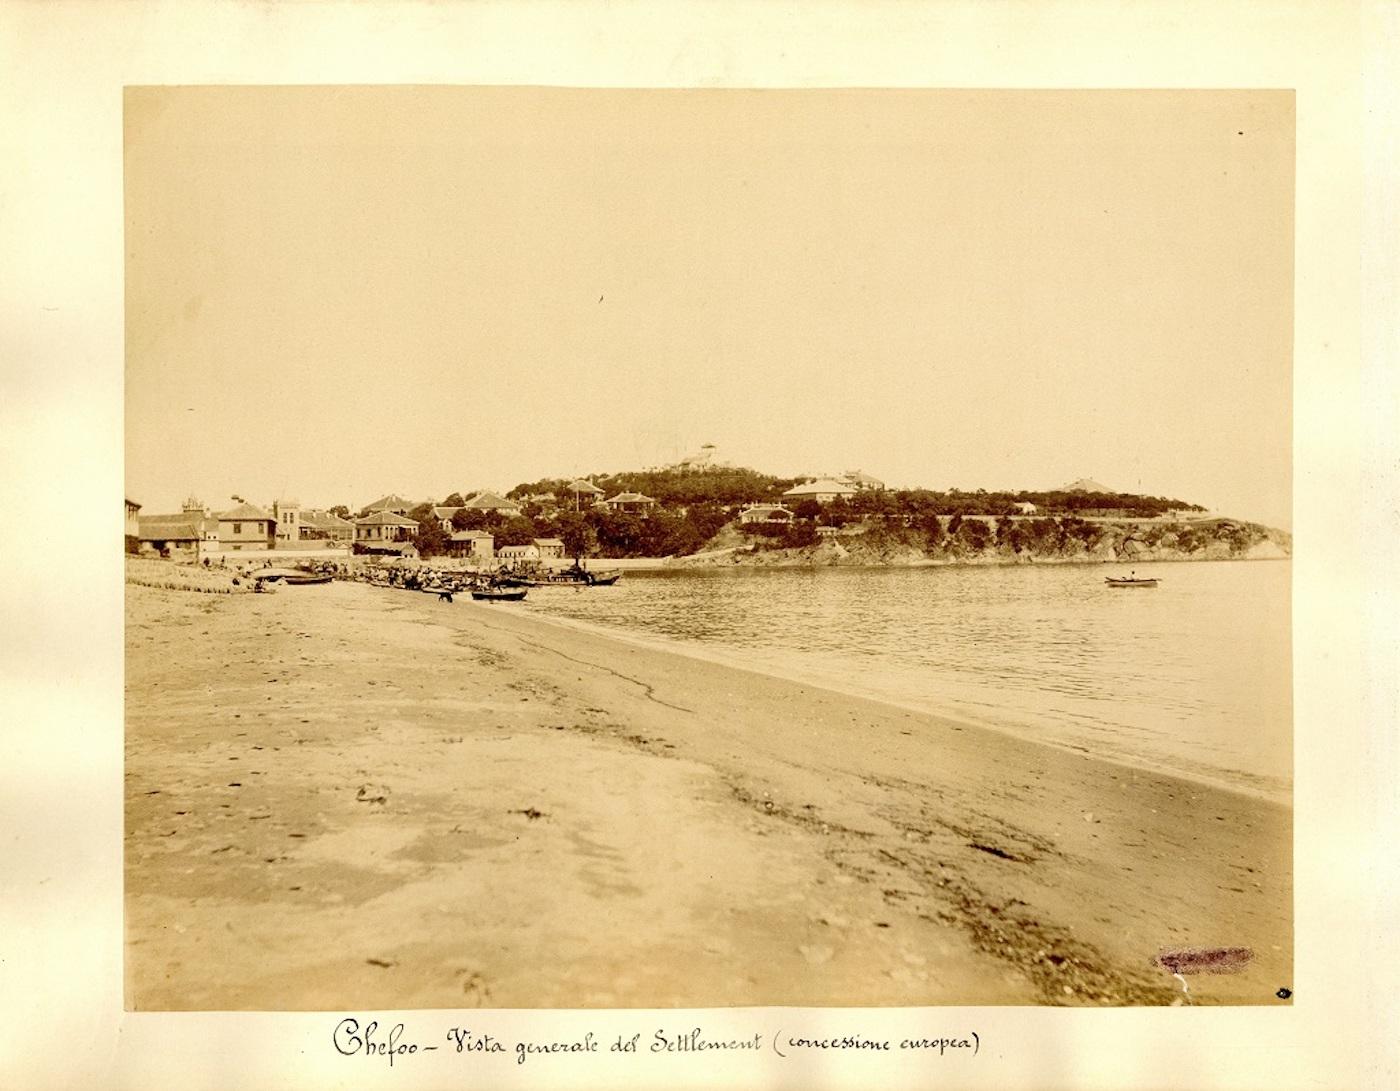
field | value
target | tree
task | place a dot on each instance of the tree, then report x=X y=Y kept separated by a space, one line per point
x=470 y=519
x=799 y=534
x=340 y=510
x=515 y=531
x=932 y=527
x=619 y=533
x=430 y=539
x=807 y=509
x=454 y=500
x=838 y=513
x=577 y=534
x=975 y=533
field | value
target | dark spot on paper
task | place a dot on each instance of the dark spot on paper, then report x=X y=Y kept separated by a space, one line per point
x=993 y=850
x=1204 y=960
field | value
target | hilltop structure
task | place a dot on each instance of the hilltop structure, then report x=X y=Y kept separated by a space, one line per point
x=860 y=480
x=1085 y=484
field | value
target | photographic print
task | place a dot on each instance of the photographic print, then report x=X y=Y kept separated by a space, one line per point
x=650 y=548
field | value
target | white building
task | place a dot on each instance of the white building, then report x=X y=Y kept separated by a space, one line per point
x=824 y=490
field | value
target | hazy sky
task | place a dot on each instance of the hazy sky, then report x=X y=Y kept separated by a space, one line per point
x=334 y=293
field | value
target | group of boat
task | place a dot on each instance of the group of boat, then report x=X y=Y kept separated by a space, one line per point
x=504 y=586
x=514 y=586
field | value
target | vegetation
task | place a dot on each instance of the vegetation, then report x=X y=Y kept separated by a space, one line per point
x=691 y=508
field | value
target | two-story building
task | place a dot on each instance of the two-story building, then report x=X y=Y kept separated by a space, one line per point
x=550 y=548
x=382 y=527
x=246 y=527
x=286 y=522
x=475 y=545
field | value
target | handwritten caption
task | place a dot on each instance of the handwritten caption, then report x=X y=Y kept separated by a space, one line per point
x=393 y=1044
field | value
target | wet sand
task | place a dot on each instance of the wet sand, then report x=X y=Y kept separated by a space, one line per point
x=347 y=797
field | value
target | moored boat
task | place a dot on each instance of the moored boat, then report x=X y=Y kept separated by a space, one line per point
x=1129 y=581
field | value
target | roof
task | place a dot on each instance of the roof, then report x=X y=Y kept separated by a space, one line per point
x=631 y=498
x=393 y=500
x=244 y=511
x=445 y=513
x=470 y=535
x=173 y=528
x=514 y=549
x=860 y=477
x=822 y=485
x=384 y=519
x=317 y=518
x=578 y=484
x=766 y=507
x=487 y=501
x=131 y=503
x=549 y=542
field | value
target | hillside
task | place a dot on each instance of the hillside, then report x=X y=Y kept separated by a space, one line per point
x=681 y=512
x=1010 y=541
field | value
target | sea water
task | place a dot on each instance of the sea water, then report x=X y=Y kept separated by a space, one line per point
x=1191 y=677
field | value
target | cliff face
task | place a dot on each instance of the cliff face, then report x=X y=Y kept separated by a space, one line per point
x=1042 y=541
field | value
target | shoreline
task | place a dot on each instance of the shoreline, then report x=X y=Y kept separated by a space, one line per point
x=730 y=559
x=616 y=825
x=1279 y=795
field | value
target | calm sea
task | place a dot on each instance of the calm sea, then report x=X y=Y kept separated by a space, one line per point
x=1191 y=677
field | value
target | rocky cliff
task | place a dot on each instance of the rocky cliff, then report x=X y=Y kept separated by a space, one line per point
x=1038 y=541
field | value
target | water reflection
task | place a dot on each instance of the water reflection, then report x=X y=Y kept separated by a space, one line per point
x=1192 y=676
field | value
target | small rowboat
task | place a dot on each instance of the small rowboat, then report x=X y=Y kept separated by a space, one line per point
x=1129 y=581
x=503 y=595
x=306 y=578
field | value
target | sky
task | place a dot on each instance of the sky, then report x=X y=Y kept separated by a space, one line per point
x=336 y=293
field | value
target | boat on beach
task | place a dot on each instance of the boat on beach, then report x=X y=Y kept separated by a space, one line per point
x=288 y=576
x=502 y=594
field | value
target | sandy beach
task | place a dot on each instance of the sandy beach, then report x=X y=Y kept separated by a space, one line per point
x=348 y=796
